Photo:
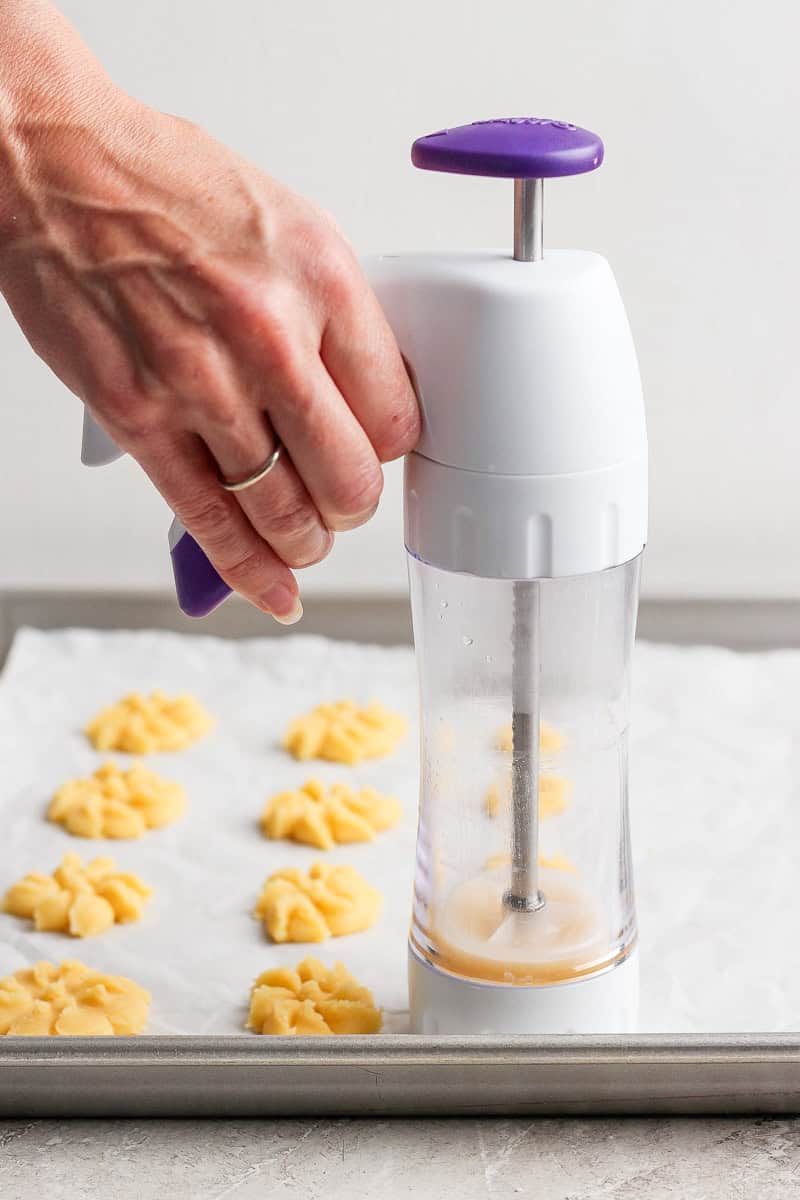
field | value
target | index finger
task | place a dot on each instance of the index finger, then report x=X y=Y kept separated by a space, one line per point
x=362 y=357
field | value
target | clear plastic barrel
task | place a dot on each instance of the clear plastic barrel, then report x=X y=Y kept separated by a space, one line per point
x=574 y=648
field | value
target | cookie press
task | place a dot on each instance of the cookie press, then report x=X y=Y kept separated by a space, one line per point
x=525 y=520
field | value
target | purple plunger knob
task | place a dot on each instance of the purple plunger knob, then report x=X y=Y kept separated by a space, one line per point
x=510 y=148
x=199 y=587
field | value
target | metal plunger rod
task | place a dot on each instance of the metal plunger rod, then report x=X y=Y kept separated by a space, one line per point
x=528 y=219
x=523 y=895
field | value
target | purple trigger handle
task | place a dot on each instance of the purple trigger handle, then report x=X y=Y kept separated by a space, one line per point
x=199 y=587
x=510 y=148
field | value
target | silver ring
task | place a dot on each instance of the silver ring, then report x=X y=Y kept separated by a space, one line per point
x=257 y=476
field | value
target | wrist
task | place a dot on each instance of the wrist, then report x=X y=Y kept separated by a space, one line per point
x=54 y=150
x=56 y=103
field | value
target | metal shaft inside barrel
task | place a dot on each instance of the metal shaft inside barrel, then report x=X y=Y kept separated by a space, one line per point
x=524 y=895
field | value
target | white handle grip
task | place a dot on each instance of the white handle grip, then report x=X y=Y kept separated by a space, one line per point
x=97 y=448
x=200 y=589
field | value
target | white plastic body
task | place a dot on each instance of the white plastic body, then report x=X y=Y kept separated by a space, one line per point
x=533 y=457
x=607 y=1003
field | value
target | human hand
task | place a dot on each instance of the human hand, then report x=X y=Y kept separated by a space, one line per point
x=200 y=309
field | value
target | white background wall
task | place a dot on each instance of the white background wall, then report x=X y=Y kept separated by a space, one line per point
x=696 y=207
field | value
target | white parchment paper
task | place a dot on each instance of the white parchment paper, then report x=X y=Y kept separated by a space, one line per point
x=715 y=815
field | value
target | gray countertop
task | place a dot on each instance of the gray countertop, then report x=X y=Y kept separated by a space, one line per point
x=756 y=1158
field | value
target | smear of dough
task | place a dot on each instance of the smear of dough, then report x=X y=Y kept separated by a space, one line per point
x=71 y=999
x=77 y=899
x=444 y=738
x=553 y=862
x=298 y=906
x=117 y=804
x=553 y=791
x=344 y=733
x=322 y=816
x=313 y=999
x=550 y=740
x=140 y=724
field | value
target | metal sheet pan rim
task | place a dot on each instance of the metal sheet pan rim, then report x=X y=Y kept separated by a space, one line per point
x=400 y=1075
x=399 y=1049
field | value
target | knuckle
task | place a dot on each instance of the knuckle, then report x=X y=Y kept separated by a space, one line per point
x=244 y=565
x=341 y=291
x=332 y=262
x=276 y=341
x=293 y=392
x=134 y=415
x=221 y=409
x=340 y=294
x=356 y=496
x=209 y=516
x=340 y=279
x=303 y=402
x=294 y=518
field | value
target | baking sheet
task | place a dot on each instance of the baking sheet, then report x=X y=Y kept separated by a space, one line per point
x=715 y=817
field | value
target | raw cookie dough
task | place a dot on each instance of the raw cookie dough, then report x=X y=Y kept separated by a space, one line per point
x=550 y=740
x=342 y=732
x=70 y=999
x=552 y=862
x=298 y=906
x=140 y=724
x=553 y=791
x=312 y=999
x=117 y=804
x=79 y=900
x=320 y=816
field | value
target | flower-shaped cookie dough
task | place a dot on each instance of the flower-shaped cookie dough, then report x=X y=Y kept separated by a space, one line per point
x=550 y=740
x=553 y=790
x=70 y=999
x=77 y=899
x=344 y=733
x=322 y=816
x=299 y=906
x=116 y=804
x=140 y=724
x=312 y=999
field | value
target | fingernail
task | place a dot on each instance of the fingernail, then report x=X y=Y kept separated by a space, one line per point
x=283 y=604
x=293 y=617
